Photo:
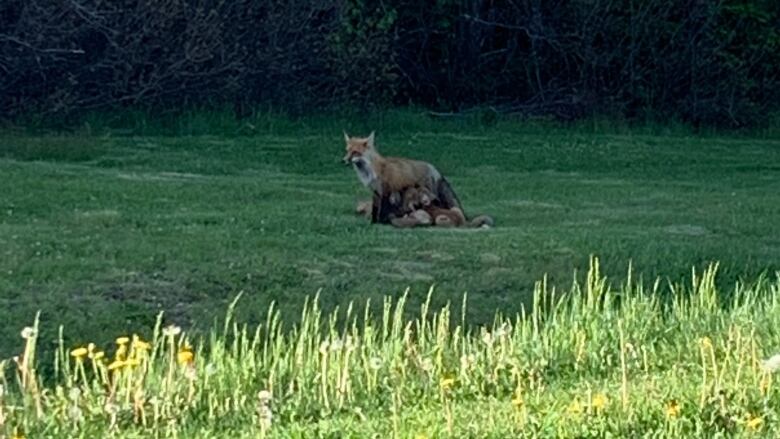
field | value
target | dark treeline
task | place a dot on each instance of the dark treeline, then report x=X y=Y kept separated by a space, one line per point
x=703 y=62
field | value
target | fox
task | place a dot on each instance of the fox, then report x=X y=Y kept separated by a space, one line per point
x=389 y=176
x=421 y=211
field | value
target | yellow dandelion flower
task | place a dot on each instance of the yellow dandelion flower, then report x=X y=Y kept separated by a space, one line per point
x=754 y=423
x=706 y=342
x=97 y=356
x=121 y=352
x=185 y=356
x=672 y=409
x=79 y=353
x=118 y=364
x=141 y=345
x=599 y=402
x=574 y=408
x=121 y=341
x=421 y=436
x=133 y=362
x=446 y=383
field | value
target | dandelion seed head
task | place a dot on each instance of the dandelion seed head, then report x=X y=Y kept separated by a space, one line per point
x=74 y=394
x=28 y=332
x=375 y=363
x=264 y=396
x=772 y=363
x=171 y=331
x=324 y=347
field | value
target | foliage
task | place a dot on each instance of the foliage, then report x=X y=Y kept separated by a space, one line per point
x=706 y=63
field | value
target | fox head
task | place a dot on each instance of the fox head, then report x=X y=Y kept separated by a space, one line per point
x=358 y=148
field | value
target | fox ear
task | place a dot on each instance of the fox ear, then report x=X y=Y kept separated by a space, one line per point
x=346 y=136
x=370 y=140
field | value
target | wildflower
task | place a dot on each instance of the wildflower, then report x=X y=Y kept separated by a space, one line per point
x=28 y=332
x=517 y=401
x=171 y=331
x=121 y=351
x=185 y=357
x=706 y=342
x=78 y=353
x=446 y=383
x=91 y=348
x=133 y=362
x=754 y=422
x=672 y=409
x=121 y=341
x=772 y=364
x=375 y=363
x=140 y=344
x=421 y=436
x=264 y=396
x=117 y=364
x=324 y=347
x=74 y=394
x=98 y=355
x=599 y=402
x=337 y=345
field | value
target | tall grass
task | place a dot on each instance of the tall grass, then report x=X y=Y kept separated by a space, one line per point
x=595 y=360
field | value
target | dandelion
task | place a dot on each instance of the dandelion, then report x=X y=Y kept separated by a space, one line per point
x=90 y=348
x=121 y=351
x=754 y=423
x=28 y=332
x=185 y=357
x=706 y=342
x=599 y=402
x=133 y=362
x=121 y=341
x=264 y=396
x=446 y=383
x=171 y=331
x=117 y=364
x=421 y=436
x=324 y=347
x=337 y=345
x=97 y=356
x=139 y=344
x=375 y=363
x=772 y=364
x=672 y=409
x=79 y=353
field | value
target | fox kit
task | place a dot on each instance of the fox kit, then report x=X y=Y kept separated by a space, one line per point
x=389 y=175
x=419 y=203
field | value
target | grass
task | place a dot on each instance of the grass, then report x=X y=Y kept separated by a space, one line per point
x=592 y=361
x=101 y=229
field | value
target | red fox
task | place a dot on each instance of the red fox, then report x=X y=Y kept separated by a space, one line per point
x=418 y=202
x=388 y=175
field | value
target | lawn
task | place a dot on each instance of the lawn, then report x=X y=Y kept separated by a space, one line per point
x=101 y=232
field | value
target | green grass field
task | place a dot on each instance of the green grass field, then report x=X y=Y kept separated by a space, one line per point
x=102 y=231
